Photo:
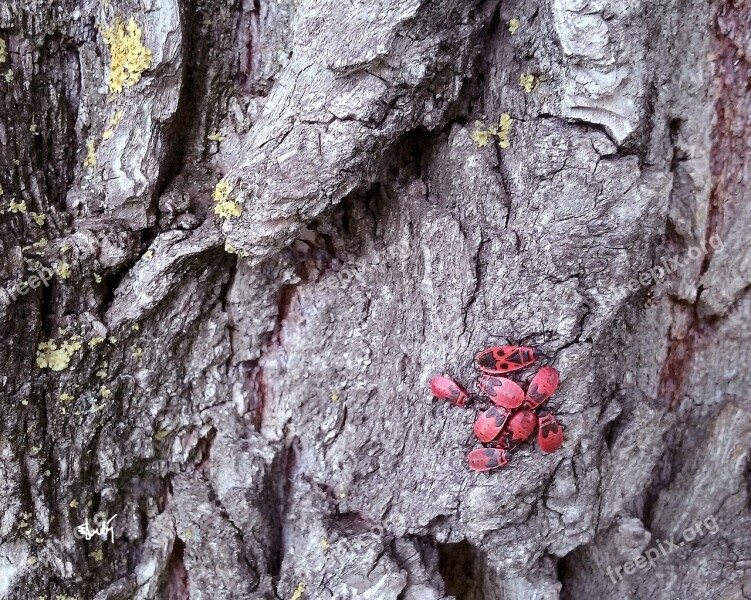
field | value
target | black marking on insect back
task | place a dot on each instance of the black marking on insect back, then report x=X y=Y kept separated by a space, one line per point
x=488 y=385
x=491 y=457
x=535 y=394
x=487 y=360
x=499 y=415
x=515 y=357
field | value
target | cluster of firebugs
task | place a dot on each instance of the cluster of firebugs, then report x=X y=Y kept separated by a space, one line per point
x=513 y=418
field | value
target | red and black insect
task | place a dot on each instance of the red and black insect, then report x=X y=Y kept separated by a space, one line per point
x=447 y=389
x=550 y=435
x=520 y=426
x=490 y=423
x=542 y=386
x=484 y=459
x=513 y=418
x=502 y=392
x=504 y=359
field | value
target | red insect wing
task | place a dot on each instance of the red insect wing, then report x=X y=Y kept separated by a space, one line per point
x=550 y=435
x=542 y=386
x=521 y=426
x=484 y=459
x=447 y=389
x=489 y=424
x=503 y=392
x=504 y=359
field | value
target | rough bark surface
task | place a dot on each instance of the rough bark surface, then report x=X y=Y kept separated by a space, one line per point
x=250 y=394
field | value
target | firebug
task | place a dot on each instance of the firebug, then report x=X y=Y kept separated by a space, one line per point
x=504 y=359
x=550 y=435
x=447 y=389
x=484 y=459
x=490 y=423
x=542 y=386
x=520 y=426
x=503 y=392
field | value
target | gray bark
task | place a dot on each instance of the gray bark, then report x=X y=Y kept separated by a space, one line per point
x=250 y=396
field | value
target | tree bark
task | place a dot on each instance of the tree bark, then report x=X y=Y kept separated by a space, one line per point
x=251 y=258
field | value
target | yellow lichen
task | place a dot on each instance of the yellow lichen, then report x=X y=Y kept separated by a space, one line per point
x=102 y=374
x=325 y=544
x=160 y=435
x=137 y=353
x=40 y=244
x=65 y=248
x=95 y=341
x=105 y=392
x=38 y=218
x=74 y=503
x=66 y=397
x=110 y=131
x=3 y=51
x=228 y=209
x=299 y=591
x=18 y=207
x=513 y=25
x=49 y=356
x=129 y=58
x=482 y=136
x=63 y=269
x=90 y=155
x=97 y=555
x=221 y=191
x=149 y=254
x=97 y=278
x=215 y=137
x=504 y=129
x=9 y=75
x=528 y=82
x=232 y=250
x=225 y=207
x=334 y=395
